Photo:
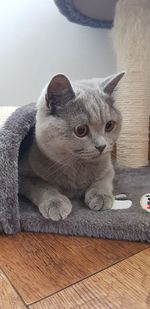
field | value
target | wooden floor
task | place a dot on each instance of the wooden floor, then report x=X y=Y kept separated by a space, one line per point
x=42 y=271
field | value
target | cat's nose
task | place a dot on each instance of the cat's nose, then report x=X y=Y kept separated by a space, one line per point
x=100 y=148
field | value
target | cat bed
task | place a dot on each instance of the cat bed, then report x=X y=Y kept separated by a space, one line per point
x=95 y=13
x=18 y=214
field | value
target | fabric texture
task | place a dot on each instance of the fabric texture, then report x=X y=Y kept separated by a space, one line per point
x=18 y=213
x=68 y=9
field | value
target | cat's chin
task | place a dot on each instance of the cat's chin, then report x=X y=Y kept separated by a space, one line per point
x=93 y=158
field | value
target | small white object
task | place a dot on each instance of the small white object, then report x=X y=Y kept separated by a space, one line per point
x=122 y=204
x=145 y=202
x=120 y=196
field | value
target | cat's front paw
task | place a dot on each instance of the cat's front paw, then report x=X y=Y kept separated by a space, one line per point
x=98 y=201
x=56 y=208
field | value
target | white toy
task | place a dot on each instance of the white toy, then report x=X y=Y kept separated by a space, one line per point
x=121 y=203
x=145 y=202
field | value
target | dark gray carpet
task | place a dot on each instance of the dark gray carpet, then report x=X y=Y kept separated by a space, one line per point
x=19 y=214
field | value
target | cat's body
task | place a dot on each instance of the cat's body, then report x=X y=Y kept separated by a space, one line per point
x=72 y=179
x=63 y=162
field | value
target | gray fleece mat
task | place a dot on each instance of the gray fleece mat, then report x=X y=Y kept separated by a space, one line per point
x=17 y=213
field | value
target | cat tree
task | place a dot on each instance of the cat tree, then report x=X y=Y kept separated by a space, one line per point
x=131 y=37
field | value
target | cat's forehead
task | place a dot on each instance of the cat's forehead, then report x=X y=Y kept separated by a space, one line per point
x=89 y=105
x=92 y=102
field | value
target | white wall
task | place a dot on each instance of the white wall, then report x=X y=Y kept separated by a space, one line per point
x=37 y=42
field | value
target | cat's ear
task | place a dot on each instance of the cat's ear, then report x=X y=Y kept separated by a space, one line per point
x=59 y=92
x=109 y=84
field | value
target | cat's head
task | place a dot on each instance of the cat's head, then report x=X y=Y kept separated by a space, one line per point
x=78 y=120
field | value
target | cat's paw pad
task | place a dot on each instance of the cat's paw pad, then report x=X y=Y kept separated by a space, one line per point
x=97 y=201
x=56 y=208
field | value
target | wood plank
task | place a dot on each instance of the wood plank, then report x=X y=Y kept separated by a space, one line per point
x=8 y=296
x=122 y=286
x=41 y=264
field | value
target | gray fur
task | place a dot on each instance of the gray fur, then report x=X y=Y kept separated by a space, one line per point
x=60 y=166
x=18 y=213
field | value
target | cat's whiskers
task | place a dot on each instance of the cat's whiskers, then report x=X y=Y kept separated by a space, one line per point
x=59 y=165
x=56 y=164
x=57 y=170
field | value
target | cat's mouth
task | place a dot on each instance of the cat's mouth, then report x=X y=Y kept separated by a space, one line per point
x=87 y=155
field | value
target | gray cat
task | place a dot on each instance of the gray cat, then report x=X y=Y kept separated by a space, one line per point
x=70 y=157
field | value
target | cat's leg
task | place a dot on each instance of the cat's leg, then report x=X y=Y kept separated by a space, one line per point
x=99 y=195
x=52 y=204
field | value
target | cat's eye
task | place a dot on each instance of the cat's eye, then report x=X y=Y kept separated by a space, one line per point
x=109 y=126
x=81 y=131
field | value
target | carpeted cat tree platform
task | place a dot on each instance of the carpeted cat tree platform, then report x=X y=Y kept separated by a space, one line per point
x=131 y=37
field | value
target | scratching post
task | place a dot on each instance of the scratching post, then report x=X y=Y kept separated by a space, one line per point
x=131 y=37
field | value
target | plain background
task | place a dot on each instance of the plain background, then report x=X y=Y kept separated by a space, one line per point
x=38 y=42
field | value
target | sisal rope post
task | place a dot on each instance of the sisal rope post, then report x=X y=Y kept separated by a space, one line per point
x=131 y=38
